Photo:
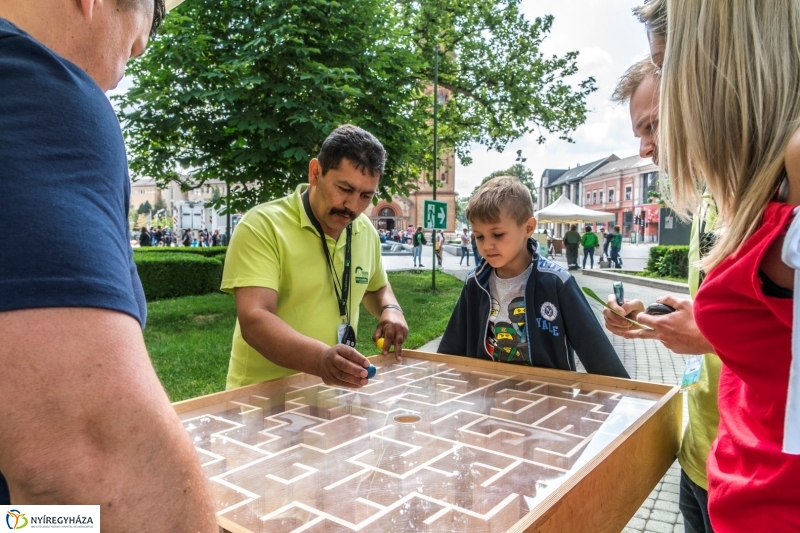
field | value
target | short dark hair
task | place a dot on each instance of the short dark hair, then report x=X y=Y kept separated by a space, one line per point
x=358 y=146
x=159 y=10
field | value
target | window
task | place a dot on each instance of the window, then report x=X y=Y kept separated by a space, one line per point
x=610 y=195
x=601 y=197
x=649 y=186
x=594 y=197
x=628 y=192
x=386 y=212
x=588 y=198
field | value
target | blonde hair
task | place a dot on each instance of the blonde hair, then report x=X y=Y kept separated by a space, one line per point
x=653 y=14
x=730 y=102
x=501 y=194
x=632 y=78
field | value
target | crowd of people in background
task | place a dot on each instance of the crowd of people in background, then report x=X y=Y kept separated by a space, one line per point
x=168 y=237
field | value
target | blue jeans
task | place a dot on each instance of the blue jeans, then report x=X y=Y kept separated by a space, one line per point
x=615 y=256
x=464 y=253
x=693 y=503
x=417 y=254
x=588 y=252
x=478 y=258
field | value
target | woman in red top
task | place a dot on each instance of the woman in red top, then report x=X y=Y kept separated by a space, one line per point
x=730 y=113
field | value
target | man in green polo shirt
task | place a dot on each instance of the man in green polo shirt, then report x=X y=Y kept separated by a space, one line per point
x=300 y=266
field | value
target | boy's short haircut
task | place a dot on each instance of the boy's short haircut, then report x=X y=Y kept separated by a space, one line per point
x=503 y=194
x=616 y=228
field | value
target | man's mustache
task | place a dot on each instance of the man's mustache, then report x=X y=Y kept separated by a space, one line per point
x=344 y=212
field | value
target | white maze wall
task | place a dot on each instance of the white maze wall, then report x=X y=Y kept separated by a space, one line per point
x=486 y=449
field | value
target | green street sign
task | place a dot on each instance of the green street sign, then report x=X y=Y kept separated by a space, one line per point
x=435 y=214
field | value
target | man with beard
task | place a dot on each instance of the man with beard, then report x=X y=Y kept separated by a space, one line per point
x=299 y=266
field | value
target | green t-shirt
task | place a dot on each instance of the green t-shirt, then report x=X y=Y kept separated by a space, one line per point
x=276 y=246
x=703 y=411
x=616 y=240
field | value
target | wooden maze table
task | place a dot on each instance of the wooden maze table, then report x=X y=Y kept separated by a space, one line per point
x=436 y=444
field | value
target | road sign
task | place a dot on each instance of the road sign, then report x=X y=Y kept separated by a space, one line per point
x=435 y=214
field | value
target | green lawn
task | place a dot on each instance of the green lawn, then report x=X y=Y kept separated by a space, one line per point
x=189 y=339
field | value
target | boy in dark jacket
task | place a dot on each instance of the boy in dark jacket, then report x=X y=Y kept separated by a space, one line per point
x=518 y=307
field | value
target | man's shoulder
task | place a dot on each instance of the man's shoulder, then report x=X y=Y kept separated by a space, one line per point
x=275 y=212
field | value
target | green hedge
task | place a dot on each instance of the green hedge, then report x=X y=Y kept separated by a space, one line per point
x=172 y=275
x=669 y=261
x=213 y=251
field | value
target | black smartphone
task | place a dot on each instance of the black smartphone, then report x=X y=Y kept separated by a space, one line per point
x=619 y=293
x=659 y=309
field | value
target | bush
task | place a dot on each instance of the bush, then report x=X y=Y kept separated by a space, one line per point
x=213 y=251
x=172 y=275
x=669 y=261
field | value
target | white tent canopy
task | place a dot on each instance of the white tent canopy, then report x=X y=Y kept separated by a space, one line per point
x=564 y=210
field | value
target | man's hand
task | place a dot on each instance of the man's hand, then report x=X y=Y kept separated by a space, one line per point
x=342 y=366
x=677 y=331
x=393 y=328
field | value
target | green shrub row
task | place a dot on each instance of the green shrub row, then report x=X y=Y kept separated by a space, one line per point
x=172 y=275
x=669 y=261
x=213 y=251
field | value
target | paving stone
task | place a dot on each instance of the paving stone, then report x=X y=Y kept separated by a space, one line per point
x=642 y=513
x=670 y=487
x=678 y=529
x=655 y=526
x=663 y=516
x=648 y=503
x=662 y=505
x=637 y=524
x=668 y=496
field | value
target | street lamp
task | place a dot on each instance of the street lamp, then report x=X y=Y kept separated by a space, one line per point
x=519 y=158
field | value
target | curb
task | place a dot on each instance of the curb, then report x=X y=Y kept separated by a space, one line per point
x=671 y=286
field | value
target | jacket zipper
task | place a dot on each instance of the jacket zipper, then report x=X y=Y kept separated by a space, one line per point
x=486 y=327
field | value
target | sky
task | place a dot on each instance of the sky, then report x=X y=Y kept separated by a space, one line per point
x=609 y=39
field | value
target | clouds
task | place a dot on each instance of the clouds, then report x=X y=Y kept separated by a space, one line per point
x=609 y=39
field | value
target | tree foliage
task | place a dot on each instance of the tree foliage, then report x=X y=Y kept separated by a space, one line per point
x=144 y=207
x=245 y=90
x=159 y=204
x=520 y=171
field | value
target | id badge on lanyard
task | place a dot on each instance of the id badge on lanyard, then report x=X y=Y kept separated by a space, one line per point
x=345 y=334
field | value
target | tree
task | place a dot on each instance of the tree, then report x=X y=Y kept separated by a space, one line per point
x=144 y=208
x=520 y=171
x=461 y=211
x=159 y=205
x=502 y=86
x=245 y=91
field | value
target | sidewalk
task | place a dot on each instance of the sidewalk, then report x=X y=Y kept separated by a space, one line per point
x=645 y=360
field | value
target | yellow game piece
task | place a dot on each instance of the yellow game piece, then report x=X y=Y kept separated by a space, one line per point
x=379 y=343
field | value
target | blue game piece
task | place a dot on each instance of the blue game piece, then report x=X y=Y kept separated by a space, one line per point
x=371 y=371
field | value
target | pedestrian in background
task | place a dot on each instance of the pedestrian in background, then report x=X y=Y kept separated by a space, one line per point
x=419 y=240
x=464 y=246
x=439 y=246
x=572 y=239
x=616 y=246
x=589 y=242
x=145 y=239
x=475 y=253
